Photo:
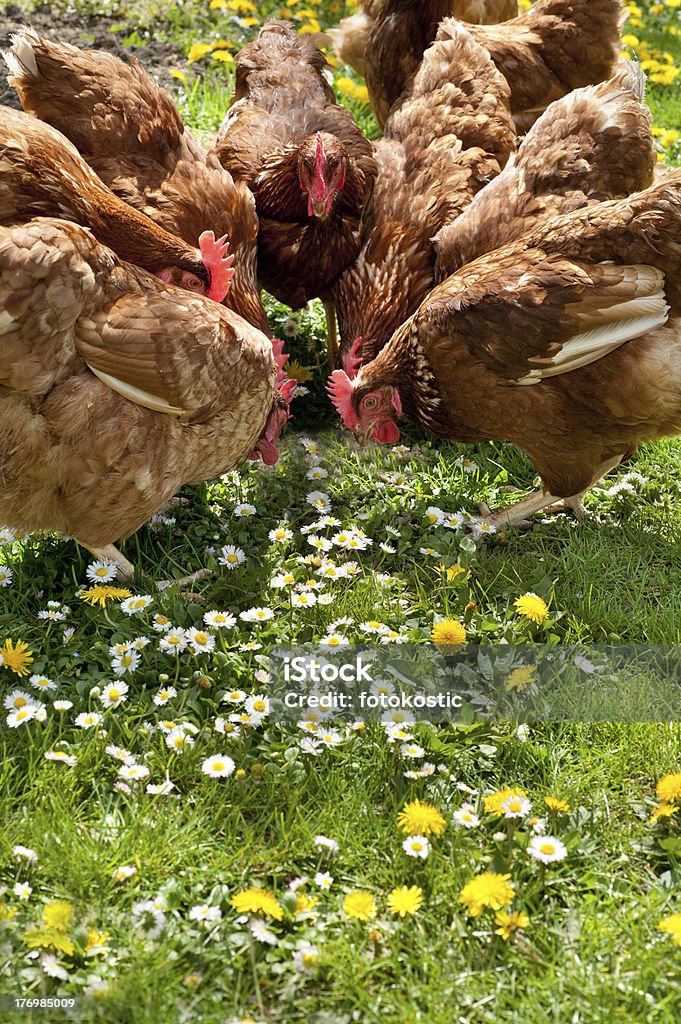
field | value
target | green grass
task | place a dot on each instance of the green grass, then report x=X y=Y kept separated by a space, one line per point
x=593 y=951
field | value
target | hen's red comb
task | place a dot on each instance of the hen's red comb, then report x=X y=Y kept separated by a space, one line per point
x=340 y=389
x=287 y=389
x=217 y=261
x=353 y=359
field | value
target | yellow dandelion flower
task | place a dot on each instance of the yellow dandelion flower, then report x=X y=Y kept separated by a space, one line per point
x=672 y=925
x=96 y=939
x=198 y=50
x=257 y=901
x=360 y=905
x=495 y=800
x=16 y=657
x=509 y=923
x=448 y=633
x=405 y=900
x=630 y=40
x=101 y=593
x=488 y=890
x=669 y=137
x=304 y=903
x=298 y=372
x=532 y=607
x=663 y=811
x=554 y=803
x=222 y=55
x=57 y=914
x=669 y=788
x=520 y=678
x=417 y=819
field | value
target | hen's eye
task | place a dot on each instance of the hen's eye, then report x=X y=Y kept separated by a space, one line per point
x=370 y=402
x=195 y=284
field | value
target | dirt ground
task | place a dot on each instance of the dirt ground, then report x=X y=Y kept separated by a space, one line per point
x=88 y=33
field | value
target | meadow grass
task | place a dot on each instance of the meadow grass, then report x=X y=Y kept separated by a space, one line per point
x=134 y=940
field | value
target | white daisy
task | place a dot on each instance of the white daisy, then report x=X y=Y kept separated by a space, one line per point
x=24 y=853
x=178 y=740
x=516 y=807
x=305 y=958
x=163 y=696
x=231 y=557
x=466 y=816
x=416 y=846
x=133 y=772
x=323 y=879
x=281 y=535
x=160 y=788
x=113 y=695
x=316 y=473
x=59 y=755
x=52 y=967
x=42 y=683
x=324 y=843
x=199 y=641
x=6 y=576
x=319 y=543
x=120 y=753
x=102 y=572
x=244 y=510
x=467 y=465
x=257 y=615
x=219 y=620
x=51 y=615
x=319 y=500
x=257 y=704
x=161 y=623
x=23 y=890
x=88 y=719
x=17 y=699
x=135 y=605
x=388 y=548
x=412 y=750
x=127 y=661
x=547 y=849
x=434 y=515
x=283 y=580
x=174 y=641
x=325 y=599
x=122 y=873
x=62 y=705
x=454 y=520
x=218 y=767
x=333 y=641
x=21 y=716
x=305 y=600
x=310 y=746
x=261 y=933
x=204 y=912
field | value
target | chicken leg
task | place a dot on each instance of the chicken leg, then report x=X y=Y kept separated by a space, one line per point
x=110 y=553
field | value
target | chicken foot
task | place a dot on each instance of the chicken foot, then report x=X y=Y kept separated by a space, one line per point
x=110 y=553
x=332 y=333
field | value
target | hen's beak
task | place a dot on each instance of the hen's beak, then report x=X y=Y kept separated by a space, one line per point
x=321 y=207
x=364 y=434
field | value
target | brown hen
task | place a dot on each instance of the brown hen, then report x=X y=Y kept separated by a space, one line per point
x=130 y=132
x=554 y=47
x=350 y=37
x=115 y=388
x=451 y=136
x=566 y=342
x=42 y=174
x=310 y=168
x=594 y=144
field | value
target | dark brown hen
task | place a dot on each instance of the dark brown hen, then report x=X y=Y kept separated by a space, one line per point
x=566 y=342
x=554 y=47
x=350 y=37
x=451 y=136
x=310 y=168
x=130 y=132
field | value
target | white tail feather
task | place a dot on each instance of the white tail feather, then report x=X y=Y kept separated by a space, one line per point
x=21 y=59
